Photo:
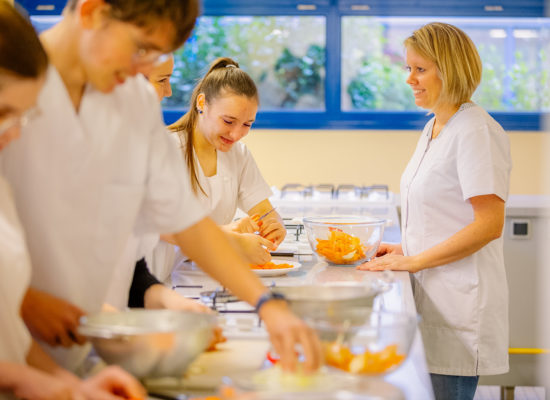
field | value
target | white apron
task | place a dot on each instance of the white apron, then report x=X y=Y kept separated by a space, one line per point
x=464 y=305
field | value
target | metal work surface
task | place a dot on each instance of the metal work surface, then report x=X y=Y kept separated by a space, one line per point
x=241 y=325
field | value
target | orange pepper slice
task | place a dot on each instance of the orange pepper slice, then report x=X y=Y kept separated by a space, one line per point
x=340 y=247
x=271 y=265
x=341 y=357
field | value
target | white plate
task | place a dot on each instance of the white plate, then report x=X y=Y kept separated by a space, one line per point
x=277 y=272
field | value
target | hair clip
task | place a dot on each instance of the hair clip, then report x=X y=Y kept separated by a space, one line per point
x=230 y=66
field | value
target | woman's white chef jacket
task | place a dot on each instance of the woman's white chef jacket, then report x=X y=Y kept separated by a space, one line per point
x=464 y=304
x=15 y=275
x=84 y=182
x=238 y=183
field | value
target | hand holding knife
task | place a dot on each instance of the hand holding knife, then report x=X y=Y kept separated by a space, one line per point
x=258 y=219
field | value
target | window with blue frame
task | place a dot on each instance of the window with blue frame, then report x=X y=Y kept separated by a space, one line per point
x=515 y=55
x=290 y=73
x=339 y=63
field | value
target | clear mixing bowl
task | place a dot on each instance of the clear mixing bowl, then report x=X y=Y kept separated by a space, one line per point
x=344 y=240
x=369 y=343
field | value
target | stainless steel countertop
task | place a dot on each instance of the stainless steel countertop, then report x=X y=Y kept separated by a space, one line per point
x=411 y=379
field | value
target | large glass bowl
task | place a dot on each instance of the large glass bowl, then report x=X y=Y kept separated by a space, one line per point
x=149 y=343
x=368 y=343
x=344 y=240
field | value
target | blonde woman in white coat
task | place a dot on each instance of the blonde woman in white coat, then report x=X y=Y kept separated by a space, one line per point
x=453 y=195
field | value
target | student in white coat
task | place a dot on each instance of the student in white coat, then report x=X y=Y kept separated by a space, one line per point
x=97 y=167
x=25 y=371
x=143 y=289
x=160 y=76
x=453 y=195
x=222 y=171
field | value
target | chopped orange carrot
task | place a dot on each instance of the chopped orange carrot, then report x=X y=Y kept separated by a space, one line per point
x=340 y=356
x=341 y=247
x=271 y=265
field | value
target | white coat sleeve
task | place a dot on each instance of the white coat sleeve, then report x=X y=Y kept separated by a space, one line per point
x=252 y=186
x=169 y=205
x=484 y=161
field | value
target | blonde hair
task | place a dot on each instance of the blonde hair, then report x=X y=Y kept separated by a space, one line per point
x=456 y=57
x=224 y=76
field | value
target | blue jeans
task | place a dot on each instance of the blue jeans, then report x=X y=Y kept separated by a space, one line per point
x=452 y=387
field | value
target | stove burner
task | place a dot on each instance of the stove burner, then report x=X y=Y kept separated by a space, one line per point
x=218 y=296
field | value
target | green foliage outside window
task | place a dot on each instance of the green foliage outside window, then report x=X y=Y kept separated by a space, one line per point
x=380 y=85
x=372 y=64
x=289 y=73
x=300 y=75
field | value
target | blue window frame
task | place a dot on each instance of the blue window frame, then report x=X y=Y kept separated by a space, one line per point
x=336 y=114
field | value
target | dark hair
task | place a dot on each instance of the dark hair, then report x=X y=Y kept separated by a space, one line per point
x=224 y=76
x=182 y=14
x=21 y=53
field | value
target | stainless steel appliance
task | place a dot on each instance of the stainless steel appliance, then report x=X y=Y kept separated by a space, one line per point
x=526 y=236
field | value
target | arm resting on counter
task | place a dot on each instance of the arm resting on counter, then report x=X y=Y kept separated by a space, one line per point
x=486 y=227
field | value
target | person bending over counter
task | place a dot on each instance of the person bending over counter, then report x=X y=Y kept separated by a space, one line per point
x=96 y=166
x=25 y=370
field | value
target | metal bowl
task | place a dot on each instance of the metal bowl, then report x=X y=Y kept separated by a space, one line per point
x=149 y=343
x=344 y=240
x=333 y=301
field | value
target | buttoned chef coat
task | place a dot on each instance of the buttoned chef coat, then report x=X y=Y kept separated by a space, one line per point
x=84 y=182
x=238 y=183
x=15 y=275
x=464 y=304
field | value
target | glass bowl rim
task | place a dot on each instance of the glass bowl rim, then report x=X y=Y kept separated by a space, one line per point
x=331 y=220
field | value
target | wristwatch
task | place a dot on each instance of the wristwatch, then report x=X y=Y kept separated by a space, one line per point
x=267 y=296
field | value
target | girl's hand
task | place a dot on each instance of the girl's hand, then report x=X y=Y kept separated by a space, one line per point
x=253 y=248
x=51 y=319
x=245 y=225
x=286 y=331
x=273 y=230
